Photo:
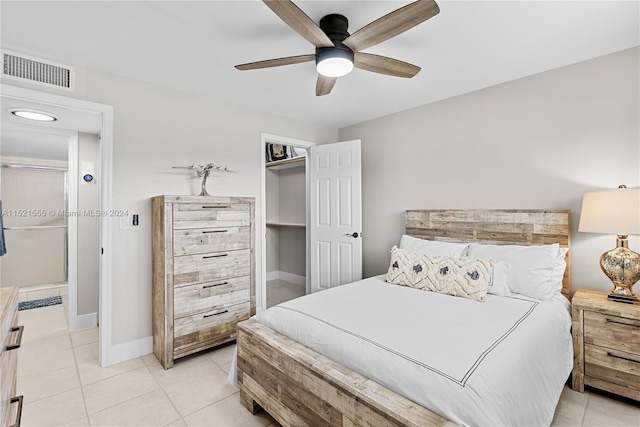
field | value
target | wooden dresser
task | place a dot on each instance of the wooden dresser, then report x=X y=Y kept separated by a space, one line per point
x=203 y=272
x=11 y=335
x=606 y=344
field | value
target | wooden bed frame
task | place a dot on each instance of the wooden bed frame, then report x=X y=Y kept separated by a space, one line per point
x=301 y=387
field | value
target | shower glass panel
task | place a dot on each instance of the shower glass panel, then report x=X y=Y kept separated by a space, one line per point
x=34 y=205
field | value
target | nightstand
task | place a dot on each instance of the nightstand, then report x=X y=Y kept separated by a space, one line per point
x=606 y=344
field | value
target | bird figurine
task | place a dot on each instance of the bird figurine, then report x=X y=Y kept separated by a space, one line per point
x=203 y=171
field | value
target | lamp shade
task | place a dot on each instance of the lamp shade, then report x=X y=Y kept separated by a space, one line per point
x=611 y=212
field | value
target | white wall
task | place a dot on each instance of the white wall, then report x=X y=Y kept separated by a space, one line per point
x=292 y=246
x=537 y=142
x=156 y=128
x=88 y=225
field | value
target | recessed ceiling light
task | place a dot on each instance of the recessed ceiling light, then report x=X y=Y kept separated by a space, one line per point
x=41 y=116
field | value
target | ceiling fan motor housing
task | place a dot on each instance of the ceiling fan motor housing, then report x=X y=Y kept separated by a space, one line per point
x=335 y=27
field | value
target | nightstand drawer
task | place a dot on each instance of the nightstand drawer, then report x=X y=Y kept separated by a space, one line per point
x=614 y=366
x=618 y=333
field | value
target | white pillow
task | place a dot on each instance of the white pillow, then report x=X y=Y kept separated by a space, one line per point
x=534 y=270
x=498 y=285
x=432 y=247
x=557 y=275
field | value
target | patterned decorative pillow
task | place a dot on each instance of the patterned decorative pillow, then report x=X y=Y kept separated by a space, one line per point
x=460 y=277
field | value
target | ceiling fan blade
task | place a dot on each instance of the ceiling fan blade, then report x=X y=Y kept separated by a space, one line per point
x=299 y=21
x=324 y=85
x=289 y=60
x=392 y=24
x=384 y=65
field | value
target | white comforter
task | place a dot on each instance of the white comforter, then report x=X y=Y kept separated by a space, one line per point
x=501 y=362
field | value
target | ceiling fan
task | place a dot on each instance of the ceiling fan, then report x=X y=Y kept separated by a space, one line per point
x=337 y=51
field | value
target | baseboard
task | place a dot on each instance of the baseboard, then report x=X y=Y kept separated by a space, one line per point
x=129 y=350
x=272 y=275
x=287 y=277
x=85 y=321
x=42 y=287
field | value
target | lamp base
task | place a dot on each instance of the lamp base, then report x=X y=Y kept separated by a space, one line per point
x=622 y=266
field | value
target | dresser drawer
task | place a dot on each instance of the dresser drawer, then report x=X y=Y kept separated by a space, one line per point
x=203 y=215
x=202 y=240
x=10 y=337
x=208 y=326
x=617 y=367
x=613 y=332
x=192 y=299
x=209 y=267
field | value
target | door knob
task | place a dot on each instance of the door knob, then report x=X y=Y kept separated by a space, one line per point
x=354 y=235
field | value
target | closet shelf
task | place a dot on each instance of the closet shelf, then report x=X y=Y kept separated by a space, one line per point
x=290 y=225
x=286 y=163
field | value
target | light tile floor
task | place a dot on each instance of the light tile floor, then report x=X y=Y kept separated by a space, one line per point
x=63 y=385
x=280 y=291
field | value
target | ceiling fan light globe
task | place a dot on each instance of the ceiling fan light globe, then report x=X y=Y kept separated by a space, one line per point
x=334 y=67
x=334 y=61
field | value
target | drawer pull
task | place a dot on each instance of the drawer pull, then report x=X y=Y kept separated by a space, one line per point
x=18 y=343
x=214 y=207
x=623 y=358
x=217 y=284
x=214 y=231
x=214 y=256
x=630 y=323
x=214 y=314
x=19 y=414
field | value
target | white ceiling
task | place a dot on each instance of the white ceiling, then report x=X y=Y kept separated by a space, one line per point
x=194 y=45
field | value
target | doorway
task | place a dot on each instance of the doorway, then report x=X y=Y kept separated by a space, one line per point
x=97 y=119
x=284 y=219
x=48 y=217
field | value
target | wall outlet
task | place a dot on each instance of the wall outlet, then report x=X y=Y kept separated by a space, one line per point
x=124 y=222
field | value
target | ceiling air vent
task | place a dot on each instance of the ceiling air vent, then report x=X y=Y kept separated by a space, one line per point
x=25 y=68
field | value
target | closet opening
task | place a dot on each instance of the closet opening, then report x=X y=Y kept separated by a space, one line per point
x=284 y=220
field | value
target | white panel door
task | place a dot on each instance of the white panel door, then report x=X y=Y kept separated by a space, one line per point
x=335 y=194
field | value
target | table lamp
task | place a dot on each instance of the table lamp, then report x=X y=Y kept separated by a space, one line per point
x=615 y=212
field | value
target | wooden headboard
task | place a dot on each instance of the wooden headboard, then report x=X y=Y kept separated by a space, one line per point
x=496 y=226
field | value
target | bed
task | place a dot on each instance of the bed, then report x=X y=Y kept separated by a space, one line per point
x=361 y=355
